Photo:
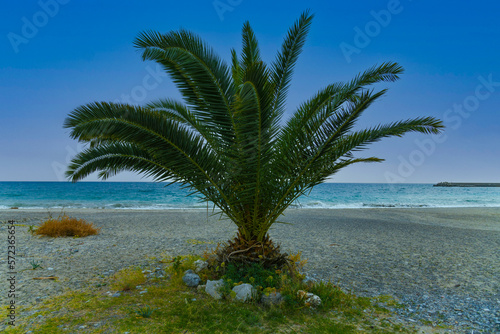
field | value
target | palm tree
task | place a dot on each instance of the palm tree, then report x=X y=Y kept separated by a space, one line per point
x=227 y=140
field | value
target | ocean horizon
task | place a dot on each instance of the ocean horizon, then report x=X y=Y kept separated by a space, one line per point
x=158 y=196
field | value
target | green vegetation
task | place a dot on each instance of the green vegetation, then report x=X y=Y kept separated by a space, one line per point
x=35 y=265
x=227 y=141
x=127 y=279
x=169 y=306
x=253 y=274
x=145 y=312
x=32 y=229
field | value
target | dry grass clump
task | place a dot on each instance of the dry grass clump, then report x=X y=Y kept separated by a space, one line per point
x=65 y=226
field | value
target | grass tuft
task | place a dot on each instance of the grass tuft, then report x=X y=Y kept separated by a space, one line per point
x=127 y=279
x=145 y=312
x=65 y=226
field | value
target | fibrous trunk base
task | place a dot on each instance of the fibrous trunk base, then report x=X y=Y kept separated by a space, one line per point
x=242 y=251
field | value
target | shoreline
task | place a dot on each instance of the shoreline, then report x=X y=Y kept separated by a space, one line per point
x=438 y=262
x=460 y=217
x=383 y=206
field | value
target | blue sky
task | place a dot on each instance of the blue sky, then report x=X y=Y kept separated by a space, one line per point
x=58 y=54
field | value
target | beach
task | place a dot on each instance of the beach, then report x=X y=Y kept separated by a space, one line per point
x=441 y=263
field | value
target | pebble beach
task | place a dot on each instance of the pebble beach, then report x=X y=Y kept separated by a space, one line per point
x=441 y=264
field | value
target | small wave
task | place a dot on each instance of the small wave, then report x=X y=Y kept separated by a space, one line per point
x=398 y=205
x=379 y=205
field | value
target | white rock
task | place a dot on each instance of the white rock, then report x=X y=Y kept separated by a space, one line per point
x=309 y=298
x=213 y=288
x=314 y=300
x=199 y=265
x=244 y=292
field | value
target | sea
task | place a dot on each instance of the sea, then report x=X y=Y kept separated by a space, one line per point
x=158 y=196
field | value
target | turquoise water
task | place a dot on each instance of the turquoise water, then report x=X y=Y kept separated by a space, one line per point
x=146 y=195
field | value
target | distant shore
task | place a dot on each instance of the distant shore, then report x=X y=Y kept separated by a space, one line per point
x=466 y=184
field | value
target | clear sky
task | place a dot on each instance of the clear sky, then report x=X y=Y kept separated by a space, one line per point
x=58 y=54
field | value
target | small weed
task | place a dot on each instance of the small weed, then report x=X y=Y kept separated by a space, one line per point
x=179 y=264
x=32 y=229
x=297 y=261
x=145 y=312
x=35 y=265
x=176 y=263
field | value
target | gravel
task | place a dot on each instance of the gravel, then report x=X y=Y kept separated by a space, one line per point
x=441 y=265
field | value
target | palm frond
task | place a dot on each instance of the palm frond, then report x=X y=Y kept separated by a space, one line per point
x=185 y=152
x=282 y=67
x=111 y=158
x=202 y=77
x=251 y=52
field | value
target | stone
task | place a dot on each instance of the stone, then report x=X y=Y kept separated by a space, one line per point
x=159 y=273
x=244 y=292
x=201 y=287
x=116 y=294
x=309 y=298
x=274 y=298
x=313 y=300
x=213 y=288
x=200 y=265
x=191 y=279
